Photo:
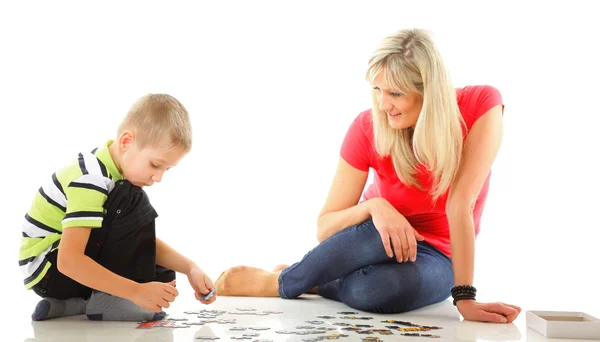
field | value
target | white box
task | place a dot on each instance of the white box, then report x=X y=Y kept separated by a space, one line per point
x=563 y=324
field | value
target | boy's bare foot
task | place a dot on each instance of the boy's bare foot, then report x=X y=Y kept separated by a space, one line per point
x=248 y=281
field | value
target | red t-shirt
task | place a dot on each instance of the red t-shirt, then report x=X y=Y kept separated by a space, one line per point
x=358 y=149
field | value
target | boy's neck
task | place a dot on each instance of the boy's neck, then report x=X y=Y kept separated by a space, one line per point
x=113 y=150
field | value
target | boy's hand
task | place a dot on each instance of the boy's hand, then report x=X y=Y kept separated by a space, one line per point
x=202 y=285
x=155 y=296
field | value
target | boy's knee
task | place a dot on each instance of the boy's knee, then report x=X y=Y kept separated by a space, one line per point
x=164 y=275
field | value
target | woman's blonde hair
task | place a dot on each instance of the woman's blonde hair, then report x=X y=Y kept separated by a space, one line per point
x=159 y=119
x=410 y=62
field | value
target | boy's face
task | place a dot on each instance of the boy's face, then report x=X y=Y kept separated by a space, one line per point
x=146 y=166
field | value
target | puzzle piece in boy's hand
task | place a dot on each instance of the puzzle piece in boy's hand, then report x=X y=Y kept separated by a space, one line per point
x=210 y=294
x=147 y=325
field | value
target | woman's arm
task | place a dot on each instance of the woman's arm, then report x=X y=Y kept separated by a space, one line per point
x=341 y=210
x=480 y=150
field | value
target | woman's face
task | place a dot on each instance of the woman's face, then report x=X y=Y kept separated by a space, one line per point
x=402 y=109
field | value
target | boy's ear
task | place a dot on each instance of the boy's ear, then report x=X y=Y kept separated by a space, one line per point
x=126 y=140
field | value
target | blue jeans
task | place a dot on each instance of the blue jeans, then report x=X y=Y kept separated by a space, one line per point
x=352 y=267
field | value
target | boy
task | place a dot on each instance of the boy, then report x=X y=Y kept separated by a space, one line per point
x=89 y=242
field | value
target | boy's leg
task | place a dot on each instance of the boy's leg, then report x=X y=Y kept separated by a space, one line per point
x=128 y=248
x=62 y=296
x=164 y=275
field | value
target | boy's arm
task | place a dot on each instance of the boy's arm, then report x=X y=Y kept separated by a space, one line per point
x=169 y=258
x=73 y=262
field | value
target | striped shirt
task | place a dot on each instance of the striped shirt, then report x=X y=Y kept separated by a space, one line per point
x=72 y=197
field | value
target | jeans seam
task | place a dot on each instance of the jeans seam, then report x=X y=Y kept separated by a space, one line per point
x=285 y=271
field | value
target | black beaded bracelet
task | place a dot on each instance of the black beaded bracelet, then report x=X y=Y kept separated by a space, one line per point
x=463 y=292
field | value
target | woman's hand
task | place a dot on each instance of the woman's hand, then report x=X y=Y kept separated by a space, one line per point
x=487 y=312
x=393 y=226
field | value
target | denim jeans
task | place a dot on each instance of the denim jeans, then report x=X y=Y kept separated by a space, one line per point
x=352 y=267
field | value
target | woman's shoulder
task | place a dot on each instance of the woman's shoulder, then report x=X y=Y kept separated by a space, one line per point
x=476 y=100
x=473 y=96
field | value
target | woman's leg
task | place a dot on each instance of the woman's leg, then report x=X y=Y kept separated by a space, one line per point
x=395 y=287
x=343 y=253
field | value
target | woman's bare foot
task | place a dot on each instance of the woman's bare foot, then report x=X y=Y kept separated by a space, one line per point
x=248 y=281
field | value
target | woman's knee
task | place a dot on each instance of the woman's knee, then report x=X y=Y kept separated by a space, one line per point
x=381 y=289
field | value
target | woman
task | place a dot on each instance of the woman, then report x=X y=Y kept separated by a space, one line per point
x=431 y=148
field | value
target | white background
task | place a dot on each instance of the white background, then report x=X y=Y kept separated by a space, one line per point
x=271 y=89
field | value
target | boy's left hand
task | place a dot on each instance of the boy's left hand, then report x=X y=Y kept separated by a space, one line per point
x=202 y=285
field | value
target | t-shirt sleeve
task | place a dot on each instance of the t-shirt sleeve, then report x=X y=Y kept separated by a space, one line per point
x=479 y=100
x=85 y=201
x=356 y=147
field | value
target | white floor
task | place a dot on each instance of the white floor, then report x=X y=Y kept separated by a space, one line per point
x=294 y=313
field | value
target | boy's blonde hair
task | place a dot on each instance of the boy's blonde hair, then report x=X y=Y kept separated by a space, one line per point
x=158 y=120
x=411 y=63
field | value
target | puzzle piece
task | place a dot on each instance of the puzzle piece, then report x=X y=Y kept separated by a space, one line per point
x=210 y=294
x=356 y=317
x=173 y=325
x=147 y=325
x=193 y=323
